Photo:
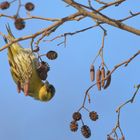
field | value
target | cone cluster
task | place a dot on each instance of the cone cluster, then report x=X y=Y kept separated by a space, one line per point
x=85 y=129
x=18 y=21
x=103 y=78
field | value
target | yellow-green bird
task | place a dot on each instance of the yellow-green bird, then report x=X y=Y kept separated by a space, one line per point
x=26 y=71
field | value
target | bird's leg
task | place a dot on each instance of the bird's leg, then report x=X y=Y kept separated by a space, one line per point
x=18 y=87
x=26 y=88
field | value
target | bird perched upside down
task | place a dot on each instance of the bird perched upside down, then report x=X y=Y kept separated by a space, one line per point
x=26 y=71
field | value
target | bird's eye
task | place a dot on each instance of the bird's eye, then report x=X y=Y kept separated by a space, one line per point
x=50 y=88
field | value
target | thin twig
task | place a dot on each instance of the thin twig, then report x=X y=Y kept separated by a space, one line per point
x=48 y=29
x=101 y=2
x=106 y=5
x=18 y=9
x=71 y=33
x=129 y=17
x=130 y=100
x=100 y=52
x=118 y=110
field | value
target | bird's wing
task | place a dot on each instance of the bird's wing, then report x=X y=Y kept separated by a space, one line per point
x=24 y=62
x=21 y=64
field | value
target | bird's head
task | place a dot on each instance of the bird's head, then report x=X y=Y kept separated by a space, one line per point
x=46 y=92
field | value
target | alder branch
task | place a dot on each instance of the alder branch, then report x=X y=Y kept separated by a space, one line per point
x=130 y=100
x=18 y=9
x=131 y=16
x=101 y=2
x=47 y=30
x=30 y=17
x=95 y=15
x=41 y=18
x=7 y=16
x=106 y=5
x=125 y=63
x=72 y=33
x=118 y=111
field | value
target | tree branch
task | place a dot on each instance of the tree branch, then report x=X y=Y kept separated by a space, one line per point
x=125 y=63
x=48 y=30
x=95 y=15
x=118 y=110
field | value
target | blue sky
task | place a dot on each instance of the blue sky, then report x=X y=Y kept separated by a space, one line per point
x=23 y=118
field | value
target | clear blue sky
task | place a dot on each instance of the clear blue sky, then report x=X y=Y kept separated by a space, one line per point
x=23 y=118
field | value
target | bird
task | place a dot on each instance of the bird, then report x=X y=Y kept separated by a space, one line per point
x=27 y=71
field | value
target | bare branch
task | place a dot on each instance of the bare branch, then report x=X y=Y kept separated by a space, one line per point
x=7 y=16
x=130 y=100
x=102 y=18
x=106 y=5
x=72 y=33
x=101 y=2
x=129 y=17
x=118 y=110
x=47 y=30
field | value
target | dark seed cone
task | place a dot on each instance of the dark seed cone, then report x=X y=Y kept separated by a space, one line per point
x=77 y=116
x=42 y=70
x=122 y=138
x=19 y=23
x=4 y=5
x=93 y=116
x=74 y=126
x=36 y=49
x=92 y=73
x=102 y=76
x=108 y=80
x=29 y=6
x=51 y=55
x=110 y=138
x=85 y=130
x=98 y=79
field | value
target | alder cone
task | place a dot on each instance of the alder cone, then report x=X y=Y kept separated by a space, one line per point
x=110 y=138
x=92 y=73
x=108 y=80
x=29 y=6
x=51 y=55
x=4 y=5
x=85 y=130
x=102 y=76
x=36 y=49
x=74 y=126
x=42 y=70
x=98 y=79
x=93 y=116
x=77 y=116
x=19 y=23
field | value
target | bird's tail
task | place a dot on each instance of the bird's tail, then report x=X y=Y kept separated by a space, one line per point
x=10 y=36
x=15 y=47
x=4 y=37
